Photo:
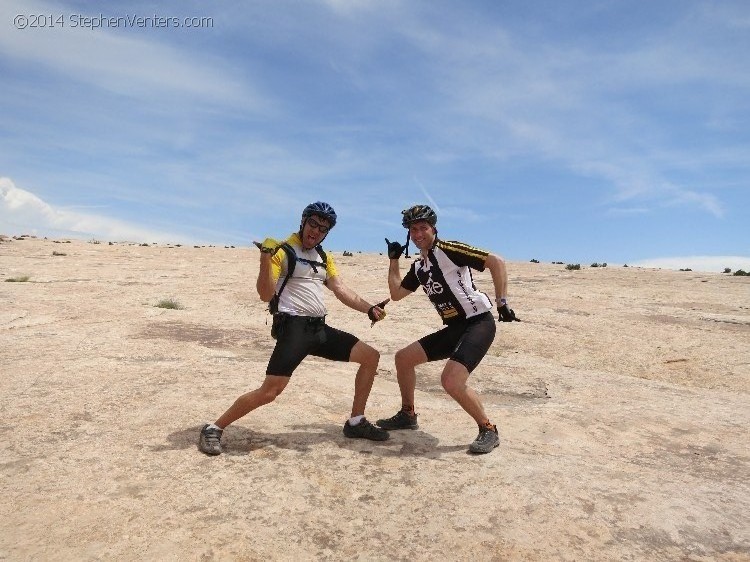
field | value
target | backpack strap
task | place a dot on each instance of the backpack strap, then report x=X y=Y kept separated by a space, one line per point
x=322 y=255
x=291 y=262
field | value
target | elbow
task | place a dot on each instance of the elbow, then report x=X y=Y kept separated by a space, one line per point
x=494 y=261
x=265 y=295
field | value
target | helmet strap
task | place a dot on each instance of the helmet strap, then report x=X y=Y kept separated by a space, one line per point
x=408 y=237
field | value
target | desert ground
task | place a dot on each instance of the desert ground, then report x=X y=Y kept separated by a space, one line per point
x=621 y=399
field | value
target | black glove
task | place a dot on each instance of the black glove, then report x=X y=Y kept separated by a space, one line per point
x=505 y=314
x=371 y=311
x=394 y=249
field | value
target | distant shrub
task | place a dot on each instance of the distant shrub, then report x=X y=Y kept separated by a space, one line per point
x=170 y=304
x=558 y=262
x=573 y=267
x=727 y=270
x=626 y=265
x=741 y=272
x=534 y=261
x=56 y=253
x=145 y=244
x=21 y=279
x=686 y=269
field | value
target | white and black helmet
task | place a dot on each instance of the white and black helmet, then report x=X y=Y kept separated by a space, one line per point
x=418 y=213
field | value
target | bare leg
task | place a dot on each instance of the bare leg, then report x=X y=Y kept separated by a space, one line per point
x=272 y=386
x=454 y=379
x=368 y=359
x=406 y=361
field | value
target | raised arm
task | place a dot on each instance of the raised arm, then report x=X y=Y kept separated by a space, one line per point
x=265 y=285
x=394 y=282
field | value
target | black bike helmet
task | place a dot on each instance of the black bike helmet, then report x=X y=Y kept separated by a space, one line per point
x=418 y=213
x=323 y=210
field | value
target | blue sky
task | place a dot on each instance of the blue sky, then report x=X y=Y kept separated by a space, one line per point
x=614 y=131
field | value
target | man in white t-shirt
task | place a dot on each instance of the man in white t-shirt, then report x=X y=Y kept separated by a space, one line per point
x=291 y=279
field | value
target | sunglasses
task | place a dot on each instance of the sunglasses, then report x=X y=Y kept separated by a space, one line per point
x=323 y=229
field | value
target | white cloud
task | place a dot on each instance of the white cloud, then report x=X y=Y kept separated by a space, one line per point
x=25 y=213
x=126 y=64
x=698 y=263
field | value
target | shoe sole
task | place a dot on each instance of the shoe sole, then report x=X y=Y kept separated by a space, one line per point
x=484 y=451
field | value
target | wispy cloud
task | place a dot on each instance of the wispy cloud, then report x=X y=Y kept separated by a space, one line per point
x=130 y=65
x=591 y=111
x=26 y=213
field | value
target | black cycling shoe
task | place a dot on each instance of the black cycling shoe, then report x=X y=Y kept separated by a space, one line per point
x=402 y=420
x=487 y=440
x=365 y=430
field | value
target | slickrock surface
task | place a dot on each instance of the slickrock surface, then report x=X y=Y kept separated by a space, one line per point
x=621 y=398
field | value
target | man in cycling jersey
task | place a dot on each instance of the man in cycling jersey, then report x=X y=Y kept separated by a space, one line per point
x=291 y=277
x=443 y=271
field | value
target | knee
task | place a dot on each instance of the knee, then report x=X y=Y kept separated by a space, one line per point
x=402 y=360
x=452 y=386
x=268 y=394
x=374 y=357
x=369 y=357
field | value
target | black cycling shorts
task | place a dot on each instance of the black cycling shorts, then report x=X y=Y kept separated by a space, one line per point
x=300 y=336
x=465 y=342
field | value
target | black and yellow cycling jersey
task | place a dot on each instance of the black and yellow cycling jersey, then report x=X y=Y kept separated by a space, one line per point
x=445 y=276
x=303 y=292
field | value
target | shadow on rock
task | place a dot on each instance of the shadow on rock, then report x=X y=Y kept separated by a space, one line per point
x=239 y=440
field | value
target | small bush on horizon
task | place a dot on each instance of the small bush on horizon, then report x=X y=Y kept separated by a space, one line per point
x=573 y=267
x=686 y=269
x=595 y=264
x=56 y=253
x=741 y=272
x=534 y=261
x=727 y=270
x=94 y=241
x=170 y=304
x=21 y=279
